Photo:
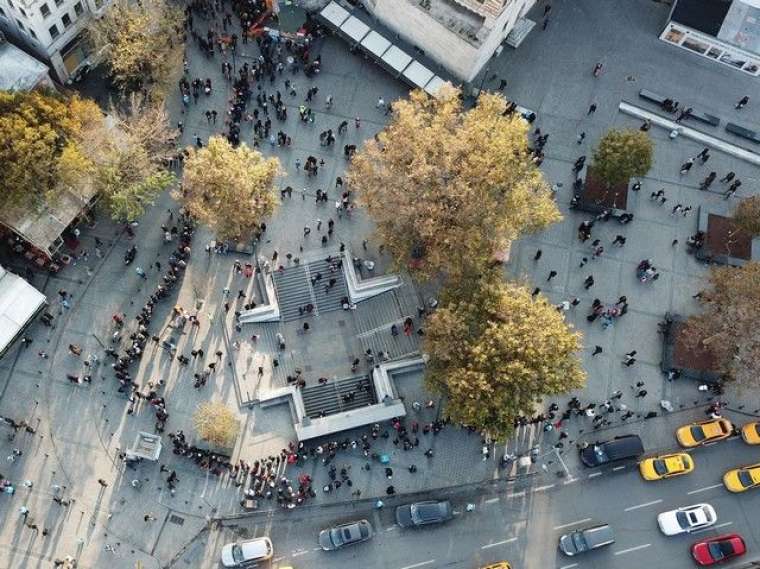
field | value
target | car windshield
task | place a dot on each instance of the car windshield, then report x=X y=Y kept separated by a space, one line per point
x=579 y=542
x=697 y=433
x=745 y=478
x=660 y=467
x=716 y=551
x=237 y=553
x=682 y=520
x=601 y=456
x=757 y=429
x=336 y=537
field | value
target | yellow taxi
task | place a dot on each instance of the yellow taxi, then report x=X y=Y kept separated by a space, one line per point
x=751 y=433
x=704 y=432
x=666 y=466
x=498 y=565
x=742 y=478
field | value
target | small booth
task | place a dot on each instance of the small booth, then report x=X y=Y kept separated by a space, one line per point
x=146 y=446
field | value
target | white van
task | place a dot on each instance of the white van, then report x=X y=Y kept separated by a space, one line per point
x=245 y=553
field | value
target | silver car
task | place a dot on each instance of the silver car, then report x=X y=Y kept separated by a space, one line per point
x=424 y=513
x=345 y=535
x=586 y=539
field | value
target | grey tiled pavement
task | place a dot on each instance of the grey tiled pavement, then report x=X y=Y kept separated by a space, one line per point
x=80 y=428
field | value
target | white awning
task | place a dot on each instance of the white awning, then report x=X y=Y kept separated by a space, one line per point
x=375 y=44
x=19 y=303
x=418 y=74
x=335 y=14
x=354 y=28
x=396 y=58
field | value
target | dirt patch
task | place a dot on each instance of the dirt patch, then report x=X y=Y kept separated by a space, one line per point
x=725 y=238
x=596 y=192
x=685 y=355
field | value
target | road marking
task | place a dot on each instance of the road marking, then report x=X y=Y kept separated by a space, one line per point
x=277 y=559
x=540 y=488
x=569 y=566
x=594 y=475
x=492 y=500
x=391 y=528
x=317 y=549
x=494 y=544
x=298 y=553
x=622 y=551
x=708 y=528
x=516 y=494
x=618 y=468
x=704 y=489
x=652 y=503
x=724 y=524
x=583 y=521
x=420 y=564
x=570 y=481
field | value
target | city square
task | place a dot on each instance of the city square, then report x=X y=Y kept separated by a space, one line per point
x=315 y=342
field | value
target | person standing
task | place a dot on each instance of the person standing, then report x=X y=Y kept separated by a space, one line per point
x=742 y=102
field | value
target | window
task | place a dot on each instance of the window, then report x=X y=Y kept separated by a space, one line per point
x=66 y=20
x=45 y=10
x=54 y=33
x=78 y=9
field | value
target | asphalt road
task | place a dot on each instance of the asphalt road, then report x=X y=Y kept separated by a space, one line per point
x=521 y=523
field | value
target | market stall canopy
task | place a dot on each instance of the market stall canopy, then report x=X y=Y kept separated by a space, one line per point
x=376 y=44
x=335 y=14
x=19 y=304
x=418 y=74
x=396 y=58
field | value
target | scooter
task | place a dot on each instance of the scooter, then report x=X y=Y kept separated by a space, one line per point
x=129 y=256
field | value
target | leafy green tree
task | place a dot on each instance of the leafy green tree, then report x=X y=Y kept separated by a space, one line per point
x=449 y=188
x=621 y=155
x=495 y=352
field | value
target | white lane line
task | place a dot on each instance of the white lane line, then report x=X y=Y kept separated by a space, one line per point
x=277 y=559
x=491 y=500
x=317 y=549
x=724 y=524
x=570 y=481
x=618 y=468
x=583 y=521
x=391 y=528
x=540 y=488
x=502 y=542
x=569 y=566
x=644 y=505
x=594 y=475
x=622 y=551
x=298 y=553
x=420 y=564
x=516 y=494
x=697 y=491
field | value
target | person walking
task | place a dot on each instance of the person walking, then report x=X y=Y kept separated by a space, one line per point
x=538 y=254
x=589 y=282
x=580 y=138
x=552 y=274
x=619 y=240
x=707 y=182
x=591 y=109
x=728 y=177
x=597 y=350
x=742 y=102
x=686 y=166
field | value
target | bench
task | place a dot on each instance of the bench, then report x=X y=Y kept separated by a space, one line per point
x=706 y=118
x=743 y=132
x=652 y=96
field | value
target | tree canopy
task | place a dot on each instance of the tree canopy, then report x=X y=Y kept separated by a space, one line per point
x=728 y=322
x=621 y=155
x=141 y=43
x=747 y=215
x=56 y=144
x=495 y=352
x=216 y=423
x=449 y=188
x=229 y=189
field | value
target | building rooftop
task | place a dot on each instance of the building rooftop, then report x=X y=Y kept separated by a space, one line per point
x=19 y=71
x=457 y=17
x=736 y=22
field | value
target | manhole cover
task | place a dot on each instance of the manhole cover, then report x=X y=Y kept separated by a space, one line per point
x=176 y=520
x=341 y=323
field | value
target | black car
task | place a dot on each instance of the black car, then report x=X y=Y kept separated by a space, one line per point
x=586 y=539
x=619 y=448
x=424 y=513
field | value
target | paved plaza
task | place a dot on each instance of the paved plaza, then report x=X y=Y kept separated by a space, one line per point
x=80 y=429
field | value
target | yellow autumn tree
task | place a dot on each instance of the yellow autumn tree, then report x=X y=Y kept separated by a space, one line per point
x=727 y=326
x=229 y=189
x=216 y=423
x=141 y=43
x=495 y=352
x=449 y=187
x=747 y=215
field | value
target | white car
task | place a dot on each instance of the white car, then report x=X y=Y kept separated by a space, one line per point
x=687 y=519
x=244 y=553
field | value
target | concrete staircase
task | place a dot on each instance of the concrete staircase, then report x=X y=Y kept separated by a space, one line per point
x=328 y=398
x=374 y=322
x=330 y=300
x=293 y=291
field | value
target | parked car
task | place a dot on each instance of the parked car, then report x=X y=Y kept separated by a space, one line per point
x=666 y=466
x=619 y=448
x=687 y=519
x=718 y=549
x=742 y=478
x=345 y=535
x=751 y=433
x=424 y=513
x=586 y=539
x=704 y=432
x=240 y=554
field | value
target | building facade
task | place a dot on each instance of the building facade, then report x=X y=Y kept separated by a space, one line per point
x=461 y=35
x=52 y=30
x=19 y=71
x=724 y=31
